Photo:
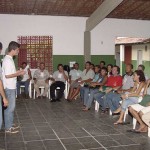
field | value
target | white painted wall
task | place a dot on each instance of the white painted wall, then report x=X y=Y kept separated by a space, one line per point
x=67 y=32
x=103 y=36
x=145 y=53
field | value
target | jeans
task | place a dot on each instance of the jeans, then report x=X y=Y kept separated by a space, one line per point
x=89 y=96
x=112 y=100
x=99 y=98
x=127 y=102
x=9 y=112
x=26 y=84
x=1 y=117
x=82 y=92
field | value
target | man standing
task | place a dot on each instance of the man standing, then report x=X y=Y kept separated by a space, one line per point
x=5 y=101
x=9 y=75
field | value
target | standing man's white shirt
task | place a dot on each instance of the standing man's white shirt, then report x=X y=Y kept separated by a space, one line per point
x=8 y=67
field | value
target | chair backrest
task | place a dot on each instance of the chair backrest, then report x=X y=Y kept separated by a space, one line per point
x=32 y=73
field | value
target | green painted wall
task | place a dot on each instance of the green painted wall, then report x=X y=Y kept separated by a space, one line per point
x=145 y=63
x=65 y=59
x=109 y=59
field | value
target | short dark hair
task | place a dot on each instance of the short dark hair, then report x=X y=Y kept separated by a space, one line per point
x=142 y=66
x=141 y=74
x=118 y=68
x=102 y=62
x=104 y=68
x=88 y=62
x=97 y=66
x=60 y=65
x=77 y=63
x=130 y=65
x=1 y=45
x=24 y=63
x=13 y=45
x=42 y=63
x=110 y=65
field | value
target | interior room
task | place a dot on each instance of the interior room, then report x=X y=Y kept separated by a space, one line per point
x=61 y=34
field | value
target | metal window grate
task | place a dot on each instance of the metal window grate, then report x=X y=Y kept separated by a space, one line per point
x=36 y=49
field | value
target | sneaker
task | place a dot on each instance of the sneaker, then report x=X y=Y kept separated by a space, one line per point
x=15 y=126
x=11 y=130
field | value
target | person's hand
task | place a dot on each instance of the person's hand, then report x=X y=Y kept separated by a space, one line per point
x=108 y=90
x=5 y=101
x=46 y=81
x=123 y=96
x=20 y=72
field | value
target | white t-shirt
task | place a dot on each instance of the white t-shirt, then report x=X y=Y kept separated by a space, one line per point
x=26 y=75
x=75 y=74
x=8 y=67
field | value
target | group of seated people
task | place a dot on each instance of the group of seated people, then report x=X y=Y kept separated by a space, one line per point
x=103 y=84
x=41 y=77
x=112 y=91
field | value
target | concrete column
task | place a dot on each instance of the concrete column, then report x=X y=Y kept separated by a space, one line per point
x=122 y=51
x=87 y=46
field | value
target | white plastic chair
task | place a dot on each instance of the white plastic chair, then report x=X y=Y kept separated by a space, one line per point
x=30 y=90
x=66 y=89
x=42 y=91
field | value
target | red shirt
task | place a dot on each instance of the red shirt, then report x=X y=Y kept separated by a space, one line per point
x=114 y=81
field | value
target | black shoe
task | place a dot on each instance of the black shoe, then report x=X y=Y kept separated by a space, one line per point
x=26 y=96
x=18 y=96
x=44 y=97
x=53 y=100
x=58 y=100
x=113 y=114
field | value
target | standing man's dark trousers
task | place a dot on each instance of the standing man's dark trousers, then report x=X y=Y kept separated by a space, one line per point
x=54 y=86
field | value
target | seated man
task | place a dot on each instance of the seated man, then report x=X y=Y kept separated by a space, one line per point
x=93 y=88
x=41 y=78
x=86 y=77
x=114 y=82
x=75 y=73
x=113 y=98
x=59 y=78
x=24 y=80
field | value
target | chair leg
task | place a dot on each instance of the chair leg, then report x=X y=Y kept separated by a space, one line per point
x=96 y=106
x=34 y=93
x=110 y=112
x=148 y=131
x=125 y=115
x=134 y=123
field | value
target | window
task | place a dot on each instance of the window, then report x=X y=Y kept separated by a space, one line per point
x=36 y=49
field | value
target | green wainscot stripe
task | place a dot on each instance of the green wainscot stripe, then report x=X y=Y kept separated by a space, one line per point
x=147 y=67
x=109 y=59
x=65 y=59
x=122 y=68
x=134 y=63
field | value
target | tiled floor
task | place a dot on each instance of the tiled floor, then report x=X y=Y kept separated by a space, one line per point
x=64 y=126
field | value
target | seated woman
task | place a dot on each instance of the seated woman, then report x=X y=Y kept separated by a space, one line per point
x=132 y=97
x=94 y=88
x=138 y=110
x=86 y=77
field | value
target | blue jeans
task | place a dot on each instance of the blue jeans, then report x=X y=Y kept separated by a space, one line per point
x=112 y=100
x=82 y=93
x=89 y=96
x=99 y=98
x=1 y=117
x=127 y=102
x=9 y=112
x=25 y=83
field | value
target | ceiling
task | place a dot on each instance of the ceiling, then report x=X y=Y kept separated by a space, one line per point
x=128 y=9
